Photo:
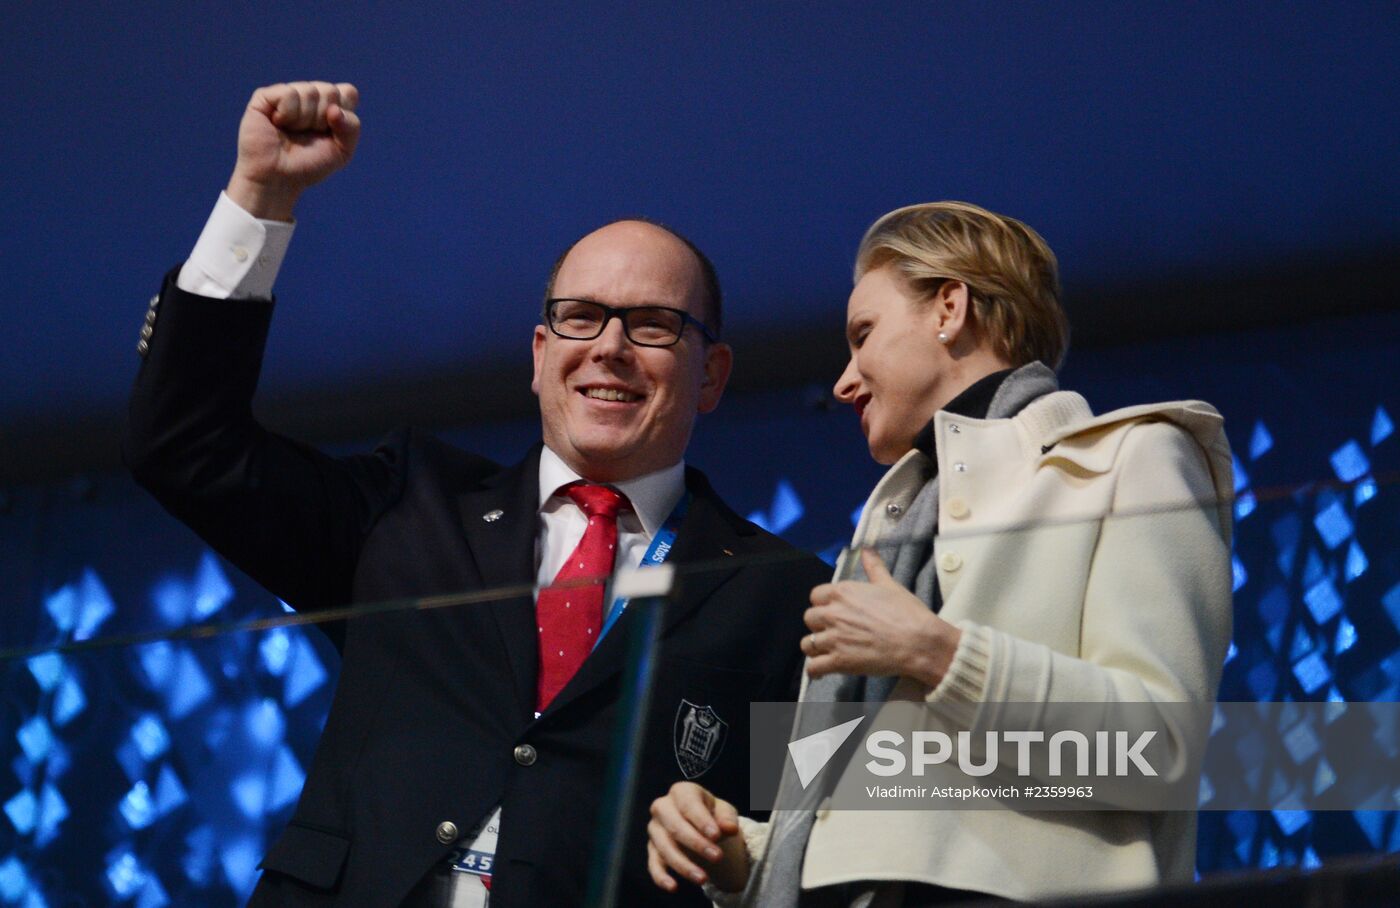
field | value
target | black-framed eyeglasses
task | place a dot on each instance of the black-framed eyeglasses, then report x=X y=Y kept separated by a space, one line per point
x=645 y=326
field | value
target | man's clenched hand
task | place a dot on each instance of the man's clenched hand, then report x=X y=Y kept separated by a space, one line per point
x=292 y=136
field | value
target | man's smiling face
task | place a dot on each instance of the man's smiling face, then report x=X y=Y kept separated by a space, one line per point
x=613 y=410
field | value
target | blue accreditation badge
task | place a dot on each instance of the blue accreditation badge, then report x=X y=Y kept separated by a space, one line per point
x=657 y=553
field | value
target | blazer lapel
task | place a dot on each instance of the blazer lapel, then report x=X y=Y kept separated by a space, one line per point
x=708 y=545
x=500 y=521
x=708 y=550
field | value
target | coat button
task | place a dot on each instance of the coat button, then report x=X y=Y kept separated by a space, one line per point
x=957 y=507
x=447 y=832
x=893 y=509
x=142 y=346
x=525 y=755
x=950 y=561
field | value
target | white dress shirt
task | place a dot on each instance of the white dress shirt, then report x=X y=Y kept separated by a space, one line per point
x=562 y=522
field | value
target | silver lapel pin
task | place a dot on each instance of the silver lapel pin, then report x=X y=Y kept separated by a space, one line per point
x=492 y=516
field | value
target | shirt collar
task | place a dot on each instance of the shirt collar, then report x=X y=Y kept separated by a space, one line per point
x=653 y=496
x=973 y=403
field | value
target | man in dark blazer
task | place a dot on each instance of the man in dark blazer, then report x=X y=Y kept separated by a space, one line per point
x=439 y=754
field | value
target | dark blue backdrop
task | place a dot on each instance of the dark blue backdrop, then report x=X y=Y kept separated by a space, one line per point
x=1146 y=141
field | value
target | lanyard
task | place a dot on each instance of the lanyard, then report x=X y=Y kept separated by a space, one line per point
x=657 y=553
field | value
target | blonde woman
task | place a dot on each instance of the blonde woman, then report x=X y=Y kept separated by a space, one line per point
x=955 y=328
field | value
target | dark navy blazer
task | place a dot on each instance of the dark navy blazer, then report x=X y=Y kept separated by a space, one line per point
x=432 y=706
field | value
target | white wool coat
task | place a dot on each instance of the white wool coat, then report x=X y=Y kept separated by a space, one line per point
x=1085 y=559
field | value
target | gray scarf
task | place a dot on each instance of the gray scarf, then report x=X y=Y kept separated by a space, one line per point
x=776 y=881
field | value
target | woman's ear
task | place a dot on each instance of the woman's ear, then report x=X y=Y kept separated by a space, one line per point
x=950 y=304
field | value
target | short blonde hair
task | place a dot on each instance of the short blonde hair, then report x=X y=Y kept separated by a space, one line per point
x=1011 y=274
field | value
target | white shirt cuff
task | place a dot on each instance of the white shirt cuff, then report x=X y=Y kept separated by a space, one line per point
x=237 y=255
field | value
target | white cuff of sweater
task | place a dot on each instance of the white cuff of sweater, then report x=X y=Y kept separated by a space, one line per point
x=755 y=843
x=964 y=686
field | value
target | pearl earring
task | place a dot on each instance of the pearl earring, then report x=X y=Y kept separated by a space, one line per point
x=943 y=337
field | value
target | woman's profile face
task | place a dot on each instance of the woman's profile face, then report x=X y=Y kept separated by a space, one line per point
x=898 y=368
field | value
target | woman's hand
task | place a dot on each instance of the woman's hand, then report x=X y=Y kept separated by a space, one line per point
x=876 y=628
x=695 y=834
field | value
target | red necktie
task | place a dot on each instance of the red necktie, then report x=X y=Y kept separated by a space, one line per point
x=570 y=612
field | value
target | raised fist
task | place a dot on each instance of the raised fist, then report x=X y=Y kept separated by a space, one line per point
x=292 y=136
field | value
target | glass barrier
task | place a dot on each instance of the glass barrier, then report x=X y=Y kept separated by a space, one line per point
x=161 y=710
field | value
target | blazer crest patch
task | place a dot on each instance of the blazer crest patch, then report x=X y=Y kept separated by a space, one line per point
x=699 y=738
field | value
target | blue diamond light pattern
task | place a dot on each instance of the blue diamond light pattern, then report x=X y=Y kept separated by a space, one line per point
x=47 y=669
x=138 y=807
x=23 y=809
x=1241 y=477
x=1260 y=442
x=1237 y=569
x=13 y=879
x=1349 y=462
x=125 y=874
x=785 y=510
x=1323 y=601
x=1333 y=525
x=1317 y=568
x=69 y=701
x=1391 y=602
x=1290 y=821
x=1357 y=562
x=178 y=692
x=1381 y=426
x=1312 y=672
x=35 y=738
x=1346 y=636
